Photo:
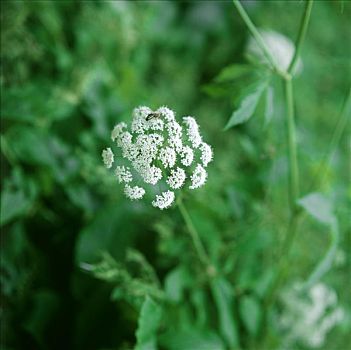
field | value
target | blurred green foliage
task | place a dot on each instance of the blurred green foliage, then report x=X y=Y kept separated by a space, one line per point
x=70 y=70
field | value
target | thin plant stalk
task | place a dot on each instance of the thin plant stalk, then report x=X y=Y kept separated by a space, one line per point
x=301 y=36
x=292 y=149
x=200 y=250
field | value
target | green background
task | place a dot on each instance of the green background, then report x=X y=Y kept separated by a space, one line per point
x=70 y=71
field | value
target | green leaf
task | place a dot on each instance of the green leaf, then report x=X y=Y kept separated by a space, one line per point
x=17 y=197
x=234 y=71
x=191 y=339
x=247 y=104
x=29 y=145
x=148 y=324
x=223 y=297
x=13 y=204
x=111 y=230
x=250 y=312
x=318 y=206
x=175 y=283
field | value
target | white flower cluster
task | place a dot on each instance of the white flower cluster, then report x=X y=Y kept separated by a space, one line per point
x=281 y=47
x=157 y=150
x=309 y=320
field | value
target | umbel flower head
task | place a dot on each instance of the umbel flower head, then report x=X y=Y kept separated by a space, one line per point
x=155 y=153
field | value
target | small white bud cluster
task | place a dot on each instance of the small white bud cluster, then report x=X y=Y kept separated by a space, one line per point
x=159 y=149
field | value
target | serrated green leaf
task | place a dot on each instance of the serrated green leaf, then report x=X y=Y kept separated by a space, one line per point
x=250 y=312
x=247 y=104
x=318 y=205
x=223 y=297
x=148 y=324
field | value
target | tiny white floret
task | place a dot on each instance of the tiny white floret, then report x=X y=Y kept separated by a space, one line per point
x=198 y=178
x=123 y=174
x=164 y=200
x=117 y=130
x=192 y=131
x=107 y=157
x=206 y=153
x=167 y=156
x=134 y=192
x=177 y=178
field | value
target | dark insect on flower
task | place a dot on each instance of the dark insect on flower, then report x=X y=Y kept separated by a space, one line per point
x=153 y=115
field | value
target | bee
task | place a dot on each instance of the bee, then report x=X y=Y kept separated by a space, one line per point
x=153 y=115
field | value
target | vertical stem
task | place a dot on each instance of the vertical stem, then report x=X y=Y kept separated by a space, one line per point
x=200 y=250
x=301 y=35
x=292 y=150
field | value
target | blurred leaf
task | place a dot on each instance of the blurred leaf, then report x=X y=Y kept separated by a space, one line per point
x=250 y=312
x=191 y=339
x=29 y=145
x=175 y=283
x=17 y=197
x=264 y=281
x=38 y=106
x=15 y=272
x=148 y=324
x=45 y=305
x=80 y=196
x=269 y=107
x=200 y=301
x=127 y=286
x=13 y=204
x=247 y=105
x=223 y=297
x=317 y=205
x=108 y=269
x=234 y=71
x=111 y=230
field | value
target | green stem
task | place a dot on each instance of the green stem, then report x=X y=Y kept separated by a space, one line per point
x=301 y=35
x=200 y=250
x=260 y=42
x=292 y=150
